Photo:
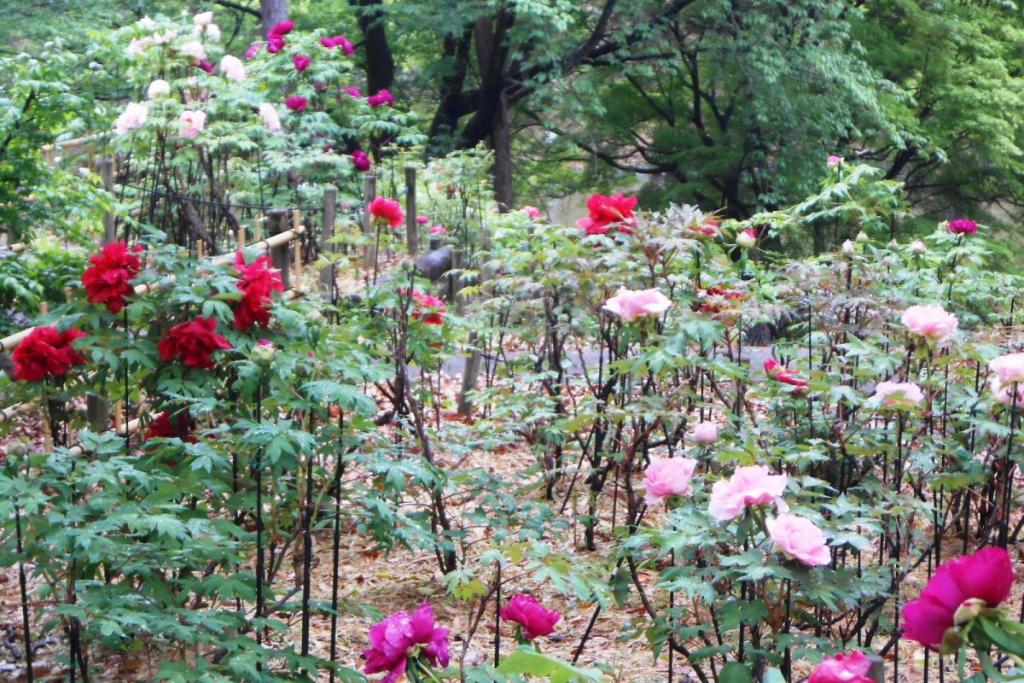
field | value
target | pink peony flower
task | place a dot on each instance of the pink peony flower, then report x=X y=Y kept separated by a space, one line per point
x=630 y=305
x=254 y=49
x=301 y=62
x=780 y=373
x=834 y=160
x=193 y=49
x=962 y=226
x=232 y=68
x=751 y=485
x=667 y=477
x=534 y=618
x=1002 y=394
x=402 y=635
x=606 y=212
x=387 y=210
x=192 y=123
x=429 y=308
x=899 y=395
x=157 y=89
x=352 y=90
x=422 y=220
x=296 y=103
x=799 y=538
x=438 y=230
x=987 y=575
x=532 y=212
x=132 y=118
x=843 y=668
x=361 y=161
x=271 y=120
x=705 y=433
x=382 y=98
x=931 y=322
x=203 y=19
x=1008 y=368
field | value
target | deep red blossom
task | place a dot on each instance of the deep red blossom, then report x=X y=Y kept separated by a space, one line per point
x=193 y=343
x=296 y=103
x=605 y=212
x=167 y=426
x=46 y=352
x=716 y=298
x=382 y=98
x=107 y=279
x=257 y=282
x=387 y=210
x=429 y=308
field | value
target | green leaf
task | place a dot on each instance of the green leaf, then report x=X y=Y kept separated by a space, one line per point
x=555 y=670
x=734 y=672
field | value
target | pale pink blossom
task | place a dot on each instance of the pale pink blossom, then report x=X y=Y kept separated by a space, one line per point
x=192 y=123
x=212 y=32
x=667 y=477
x=253 y=50
x=705 y=433
x=917 y=247
x=270 y=118
x=931 y=322
x=157 y=89
x=751 y=485
x=1002 y=393
x=139 y=45
x=203 y=19
x=232 y=68
x=630 y=305
x=194 y=49
x=132 y=118
x=898 y=395
x=799 y=538
x=834 y=160
x=1008 y=368
x=146 y=23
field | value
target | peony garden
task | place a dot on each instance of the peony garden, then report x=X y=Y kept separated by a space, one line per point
x=511 y=341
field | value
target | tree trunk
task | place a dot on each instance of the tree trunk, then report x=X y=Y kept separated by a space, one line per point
x=380 y=64
x=271 y=12
x=501 y=143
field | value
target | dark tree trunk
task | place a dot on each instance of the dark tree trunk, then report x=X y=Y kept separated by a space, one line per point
x=501 y=143
x=271 y=12
x=380 y=64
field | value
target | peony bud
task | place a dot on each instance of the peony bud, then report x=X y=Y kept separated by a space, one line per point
x=849 y=248
x=263 y=353
x=862 y=237
x=747 y=239
x=705 y=433
x=968 y=610
x=917 y=247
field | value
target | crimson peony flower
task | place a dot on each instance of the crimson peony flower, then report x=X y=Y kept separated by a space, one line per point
x=275 y=44
x=193 y=343
x=534 y=618
x=402 y=635
x=361 y=161
x=257 y=282
x=843 y=668
x=106 y=280
x=167 y=426
x=962 y=226
x=780 y=373
x=46 y=352
x=382 y=98
x=206 y=65
x=429 y=308
x=985 y=576
x=296 y=103
x=606 y=212
x=387 y=210
x=301 y=62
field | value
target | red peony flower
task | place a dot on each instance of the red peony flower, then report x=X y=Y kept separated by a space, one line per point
x=608 y=211
x=387 y=210
x=429 y=308
x=107 y=279
x=534 y=618
x=193 y=343
x=780 y=373
x=46 y=352
x=257 y=282
x=296 y=103
x=167 y=426
x=987 y=575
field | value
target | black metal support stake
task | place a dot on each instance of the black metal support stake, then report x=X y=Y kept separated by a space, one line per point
x=338 y=469
x=23 y=585
x=497 y=613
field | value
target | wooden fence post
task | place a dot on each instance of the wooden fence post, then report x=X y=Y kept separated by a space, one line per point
x=327 y=274
x=277 y=222
x=411 y=224
x=369 y=193
x=296 y=245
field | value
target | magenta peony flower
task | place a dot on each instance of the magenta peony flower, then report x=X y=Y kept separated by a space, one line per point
x=301 y=62
x=667 y=477
x=630 y=305
x=962 y=226
x=393 y=641
x=206 y=65
x=296 y=103
x=799 y=538
x=352 y=90
x=361 y=161
x=751 y=485
x=987 y=575
x=1008 y=368
x=331 y=42
x=534 y=618
x=705 y=433
x=422 y=220
x=282 y=28
x=931 y=322
x=532 y=212
x=254 y=49
x=843 y=668
x=898 y=395
x=382 y=98
x=438 y=230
